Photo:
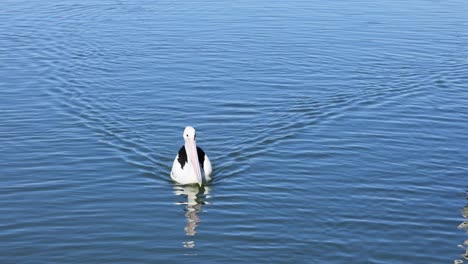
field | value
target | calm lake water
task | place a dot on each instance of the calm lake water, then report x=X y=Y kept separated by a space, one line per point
x=338 y=131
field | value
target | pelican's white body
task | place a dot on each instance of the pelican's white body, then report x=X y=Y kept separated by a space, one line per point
x=187 y=174
x=191 y=167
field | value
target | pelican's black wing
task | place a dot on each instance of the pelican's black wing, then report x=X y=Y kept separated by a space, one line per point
x=182 y=159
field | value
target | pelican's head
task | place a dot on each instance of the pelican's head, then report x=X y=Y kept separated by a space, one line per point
x=192 y=154
x=189 y=133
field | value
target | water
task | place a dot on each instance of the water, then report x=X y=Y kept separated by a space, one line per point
x=337 y=131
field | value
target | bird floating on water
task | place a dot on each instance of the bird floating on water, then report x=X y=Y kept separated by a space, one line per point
x=191 y=162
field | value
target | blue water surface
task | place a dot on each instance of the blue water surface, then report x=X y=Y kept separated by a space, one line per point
x=337 y=131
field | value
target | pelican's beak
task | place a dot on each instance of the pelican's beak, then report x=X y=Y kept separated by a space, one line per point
x=191 y=149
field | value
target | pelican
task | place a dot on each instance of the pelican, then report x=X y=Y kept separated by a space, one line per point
x=191 y=162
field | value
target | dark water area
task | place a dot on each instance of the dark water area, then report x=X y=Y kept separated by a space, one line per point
x=338 y=131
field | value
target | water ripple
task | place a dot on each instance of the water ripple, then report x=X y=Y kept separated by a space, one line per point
x=331 y=138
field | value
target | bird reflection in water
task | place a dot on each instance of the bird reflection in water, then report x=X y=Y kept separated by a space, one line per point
x=195 y=199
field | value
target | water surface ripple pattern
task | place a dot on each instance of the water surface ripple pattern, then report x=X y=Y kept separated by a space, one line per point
x=337 y=131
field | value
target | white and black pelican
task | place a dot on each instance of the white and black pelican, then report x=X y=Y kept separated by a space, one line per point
x=191 y=162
